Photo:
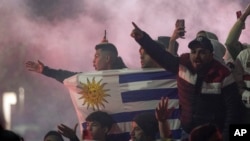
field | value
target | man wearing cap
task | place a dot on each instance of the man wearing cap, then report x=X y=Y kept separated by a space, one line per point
x=207 y=90
x=219 y=49
x=105 y=58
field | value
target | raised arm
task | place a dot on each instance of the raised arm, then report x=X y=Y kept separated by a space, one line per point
x=245 y=14
x=232 y=42
x=172 y=42
x=39 y=67
x=163 y=58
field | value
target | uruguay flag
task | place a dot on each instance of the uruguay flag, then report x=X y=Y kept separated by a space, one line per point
x=123 y=94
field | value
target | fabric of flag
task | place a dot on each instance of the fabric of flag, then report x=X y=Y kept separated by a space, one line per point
x=123 y=94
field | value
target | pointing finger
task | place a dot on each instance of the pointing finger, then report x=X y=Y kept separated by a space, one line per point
x=135 y=26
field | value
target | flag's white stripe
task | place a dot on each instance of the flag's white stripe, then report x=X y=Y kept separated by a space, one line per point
x=150 y=84
x=174 y=124
x=147 y=105
x=120 y=72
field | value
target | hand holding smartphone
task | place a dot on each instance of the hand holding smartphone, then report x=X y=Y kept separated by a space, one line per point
x=180 y=24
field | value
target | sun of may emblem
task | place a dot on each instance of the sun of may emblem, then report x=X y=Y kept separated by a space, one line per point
x=93 y=94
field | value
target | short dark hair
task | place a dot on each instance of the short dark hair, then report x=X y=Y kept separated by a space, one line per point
x=107 y=47
x=117 y=62
x=53 y=133
x=102 y=117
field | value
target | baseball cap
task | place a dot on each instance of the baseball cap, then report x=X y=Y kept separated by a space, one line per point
x=204 y=42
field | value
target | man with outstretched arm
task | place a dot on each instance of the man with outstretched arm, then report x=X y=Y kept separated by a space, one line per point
x=207 y=90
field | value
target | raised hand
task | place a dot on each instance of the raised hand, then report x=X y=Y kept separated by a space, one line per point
x=137 y=33
x=176 y=33
x=67 y=131
x=162 y=112
x=34 y=66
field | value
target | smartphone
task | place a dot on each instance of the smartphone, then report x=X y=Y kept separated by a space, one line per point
x=180 y=23
x=238 y=14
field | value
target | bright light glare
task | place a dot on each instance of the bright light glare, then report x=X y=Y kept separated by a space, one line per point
x=21 y=98
x=9 y=98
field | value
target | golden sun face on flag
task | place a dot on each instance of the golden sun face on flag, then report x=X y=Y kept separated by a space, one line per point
x=93 y=94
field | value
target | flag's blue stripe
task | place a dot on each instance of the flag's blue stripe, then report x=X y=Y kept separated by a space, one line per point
x=125 y=78
x=128 y=116
x=176 y=134
x=150 y=94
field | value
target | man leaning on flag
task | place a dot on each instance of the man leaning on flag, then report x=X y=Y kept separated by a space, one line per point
x=105 y=58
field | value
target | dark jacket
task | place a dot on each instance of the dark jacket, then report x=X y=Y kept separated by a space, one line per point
x=208 y=97
x=59 y=75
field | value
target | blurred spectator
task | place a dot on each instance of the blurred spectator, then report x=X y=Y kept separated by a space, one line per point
x=7 y=135
x=2 y=121
x=98 y=126
x=144 y=127
x=53 y=136
x=68 y=132
x=242 y=77
x=165 y=40
x=146 y=60
x=206 y=132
